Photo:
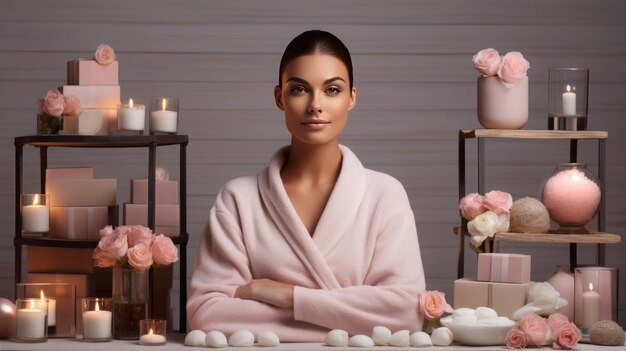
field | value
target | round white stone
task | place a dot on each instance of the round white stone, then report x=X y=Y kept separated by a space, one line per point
x=268 y=338
x=337 y=338
x=241 y=338
x=361 y=341
x=486 y=312
x=400 y=338
x=215 y=339
x=195 y=338
x=381 y=335
x=420 y=339
x=463 y=312
x=442 y=337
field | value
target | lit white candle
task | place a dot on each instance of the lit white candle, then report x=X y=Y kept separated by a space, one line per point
x=569 y=101
x=35 y=217
x=152 y=339
x=97 y=324
x=131 y=116
x=30 y=322
x=163 y=120
x=52 y=308
x=591 y=307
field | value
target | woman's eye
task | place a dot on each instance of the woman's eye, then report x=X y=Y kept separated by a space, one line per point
x=333 y=90
x=298 y=90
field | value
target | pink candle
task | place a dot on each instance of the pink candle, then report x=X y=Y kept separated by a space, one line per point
x=571 y=198
x=591 y=307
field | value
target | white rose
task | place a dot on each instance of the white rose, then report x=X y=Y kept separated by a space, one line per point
x=483 y=226
x=504 y=222
x=543 y=299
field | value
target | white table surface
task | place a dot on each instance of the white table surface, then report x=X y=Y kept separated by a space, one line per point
x=175 y=342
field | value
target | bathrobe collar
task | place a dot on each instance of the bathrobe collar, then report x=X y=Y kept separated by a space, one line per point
x=337 y=218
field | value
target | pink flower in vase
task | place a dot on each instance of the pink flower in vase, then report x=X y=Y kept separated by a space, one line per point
x=557 y=320
x=534 y=327
x=72 y=106
x=102 y=259
x=515 y=339
x=471 y=205
x=114 y=245
x=566 y=336
x=104 y=54
x=164 y=251
x=432 y=304
x=140 y=257
x=487 y=62
x=139 y=234
x=105 y=231
x=513 y=67
x=498 y=202
x=53 y=104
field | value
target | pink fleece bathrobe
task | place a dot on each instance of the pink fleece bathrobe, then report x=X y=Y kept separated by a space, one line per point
x=361 y=267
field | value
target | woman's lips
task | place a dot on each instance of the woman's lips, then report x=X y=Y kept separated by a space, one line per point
x=316 y=125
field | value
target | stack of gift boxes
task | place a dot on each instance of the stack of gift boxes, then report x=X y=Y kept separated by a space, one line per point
x=502 y=283
x=97 y=87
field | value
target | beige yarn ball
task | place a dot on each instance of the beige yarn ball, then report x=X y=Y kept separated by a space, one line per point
x=607 y=333
x=529 y=215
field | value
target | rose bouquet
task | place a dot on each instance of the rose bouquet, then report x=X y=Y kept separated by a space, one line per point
x=135 y=247
x=52 y=107
x=536 y=331
x=543 y=299
x=432 y=305
x=511 y=68
x=487 y=215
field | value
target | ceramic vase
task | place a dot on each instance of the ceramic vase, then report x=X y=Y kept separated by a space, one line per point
x=500 y=105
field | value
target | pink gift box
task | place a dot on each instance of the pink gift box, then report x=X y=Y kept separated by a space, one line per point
x=503 y=267
x=90 y=72
x=166 y=191
x=505 y=298
x=79 y=222
x=165 y=215
x=82 y=192
x=69 y=173
x=41 y=259
x=95 y=96
x=91 y=121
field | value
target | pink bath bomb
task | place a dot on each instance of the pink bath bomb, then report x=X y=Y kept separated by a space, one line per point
x=571 y=198
x=7 y=318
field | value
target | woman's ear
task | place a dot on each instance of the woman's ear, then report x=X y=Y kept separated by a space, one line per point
x=279 y=98
x=352 y=98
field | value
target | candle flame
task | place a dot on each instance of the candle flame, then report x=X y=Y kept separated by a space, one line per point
x=36 y=200
x=32 y=304
x=150 y=332
x=590 y=287
x=97 y=306
x=130 y=103
x=163 y=104
x=568 y=88
x=42 y=295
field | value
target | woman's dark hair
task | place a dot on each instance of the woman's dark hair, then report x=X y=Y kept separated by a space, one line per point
x=315 y=42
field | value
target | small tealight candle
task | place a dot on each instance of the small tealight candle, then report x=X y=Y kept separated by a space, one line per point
x=164 y=115
x=97 y=318
x=30 y=321
x=152 y=332
x=131 y=117
x=35 y=213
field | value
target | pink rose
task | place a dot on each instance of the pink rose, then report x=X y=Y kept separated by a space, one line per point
x=513 y=67
x=105 y=231
x=72 y=106
x=164 y=251
x=104 y=54
x=515 y=339
x=487 y=62
x=471 y=206
x=432 y=304
x=498 y=202
x=534 y=327
x=115 y=244
x=102 y=259
x=556 y=320
x=566 y=337
x=53 y=104
x=139 y=234
x=140 y=257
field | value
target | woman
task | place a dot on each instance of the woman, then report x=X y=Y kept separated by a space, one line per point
x=315 y=241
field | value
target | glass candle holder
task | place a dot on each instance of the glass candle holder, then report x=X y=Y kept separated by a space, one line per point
x=131 y=118
x=61 y=299
x=152 y=332
x=572 y=196
x=164 y=116
x=596 y=290
x=35 y=210
x=31 y=320
x=97 y=316
x=568 y=93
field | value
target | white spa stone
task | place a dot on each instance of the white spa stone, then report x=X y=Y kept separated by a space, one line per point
x=463 y=312
x=465 y=319
x=442 y=337
x=241 y=338
x=215 y=339
x=381 y=335
x=420 y=339
x=360 y=341
x=337 y=337
x=399 y=338
x=486 y=312
x=495 y=321
x=267 y=338
x=195 y=338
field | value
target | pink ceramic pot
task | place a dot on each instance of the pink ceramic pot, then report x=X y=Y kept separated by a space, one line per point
x=501 y=106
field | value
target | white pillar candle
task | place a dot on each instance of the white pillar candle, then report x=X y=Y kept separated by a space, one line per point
x=152 y=339
x=30 y=322
x=35 y=217
x=52 y=308
x=569 y=102
x=97 y=324
x=163 y=120
x=591 y=307
x=131 y=117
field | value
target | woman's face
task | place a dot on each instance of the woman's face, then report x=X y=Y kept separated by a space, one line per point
x=315 y=97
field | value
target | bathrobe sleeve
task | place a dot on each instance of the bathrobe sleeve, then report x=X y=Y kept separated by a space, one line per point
x=388 y=296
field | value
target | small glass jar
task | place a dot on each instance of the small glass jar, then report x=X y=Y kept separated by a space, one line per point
x=568 y=93
x=152 y=332
x=164 y=115
x=596 y=295
x=572 y=195
x=31 y=320
x=97 y=316
x=35 y=210
x=131 y=118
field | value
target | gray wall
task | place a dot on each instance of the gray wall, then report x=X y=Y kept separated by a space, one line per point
x=416 y=89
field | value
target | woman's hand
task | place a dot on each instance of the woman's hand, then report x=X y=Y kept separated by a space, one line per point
x=268 y=291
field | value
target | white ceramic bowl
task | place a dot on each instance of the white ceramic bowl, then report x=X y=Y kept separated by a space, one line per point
x=477 y=334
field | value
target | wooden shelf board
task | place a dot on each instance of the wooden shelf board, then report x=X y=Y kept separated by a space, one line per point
x=591 y=238
x=531 y=134
x=101 y=141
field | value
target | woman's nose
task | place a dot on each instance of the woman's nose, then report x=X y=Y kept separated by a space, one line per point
x=315 y=106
